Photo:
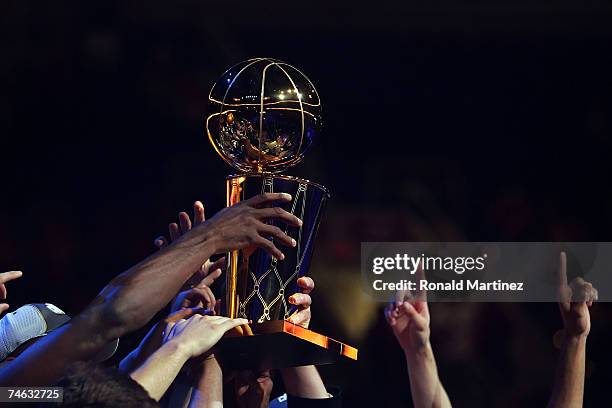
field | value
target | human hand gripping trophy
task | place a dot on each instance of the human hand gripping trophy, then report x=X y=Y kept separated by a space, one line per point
x=263 y=116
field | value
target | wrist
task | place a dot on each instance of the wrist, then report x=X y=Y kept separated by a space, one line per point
x=198 y=240
x=208 y=239
x=575 y=337
x=179 y=349
x=423 y=350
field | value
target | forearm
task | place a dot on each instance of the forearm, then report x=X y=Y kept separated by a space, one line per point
x=568 y=389
x=149 y=344
x=304 y=382
x=208 y=386
x=425 y=385
x=134 y=297
x=47 y=359
x=160 y=369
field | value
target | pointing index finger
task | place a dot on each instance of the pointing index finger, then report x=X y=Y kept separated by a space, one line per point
x=562 y=274
x=9 y=276
x=421 y=294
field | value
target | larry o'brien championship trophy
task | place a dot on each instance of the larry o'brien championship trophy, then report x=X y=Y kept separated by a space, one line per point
x=263 y=115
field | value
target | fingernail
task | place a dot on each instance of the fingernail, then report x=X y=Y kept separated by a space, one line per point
x=292 y=300
x=300 y=222
x=287 y=196
x=293 y=243
x=282 y=256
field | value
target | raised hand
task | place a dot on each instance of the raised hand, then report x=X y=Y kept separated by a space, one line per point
x=409 y=318
x=6 y=277
x=574 y=301
x=302 y=300
x=198 y=334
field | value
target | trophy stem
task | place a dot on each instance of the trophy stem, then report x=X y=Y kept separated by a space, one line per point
x=258 y=285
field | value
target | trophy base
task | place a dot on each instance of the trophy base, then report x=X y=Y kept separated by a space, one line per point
x=280 y=344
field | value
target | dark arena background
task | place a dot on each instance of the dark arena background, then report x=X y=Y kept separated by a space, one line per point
x=483 y=121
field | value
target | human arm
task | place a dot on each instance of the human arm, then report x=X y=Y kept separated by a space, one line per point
x=197 y=293
x=305 y=381
x=574 y=303
x=208 y=385
x=184 y=339
x=131 y=299
x=409 y=320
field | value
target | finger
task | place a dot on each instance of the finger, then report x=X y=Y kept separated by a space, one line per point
x=420 y=294
x=300 y=299
x=198 y=213
x=396 y=311
x=160 y=242
x=211 y=278
x=174 y=231
x=412 y=314
x=269 y=247
x=9 y=276
x=179 y=315
x=579 y=289
x=203 y=295
x=211 y=300
x=301 y=317
x=267 y=198
x=169 y=328
x=184 y=222
x=562 y=274
x=390 y=319
x=275 y=232
x=218 y=264
x=231 y=323
x=591 y=294
x=400 y=296
x=278 y=213
x=3 y=307
x=217 y=319
x=306 y=284
x=203 y=312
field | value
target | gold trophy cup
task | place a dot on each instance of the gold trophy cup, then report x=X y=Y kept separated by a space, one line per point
x=263 y=116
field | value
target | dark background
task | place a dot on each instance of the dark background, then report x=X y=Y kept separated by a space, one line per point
x=444 y=121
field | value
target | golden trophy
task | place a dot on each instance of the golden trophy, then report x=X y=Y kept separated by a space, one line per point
x=263 y=116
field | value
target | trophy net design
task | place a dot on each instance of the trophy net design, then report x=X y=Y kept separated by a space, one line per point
x=263 y=283
x=263 y=116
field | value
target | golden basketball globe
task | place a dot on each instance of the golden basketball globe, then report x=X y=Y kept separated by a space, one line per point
x=263 y=115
